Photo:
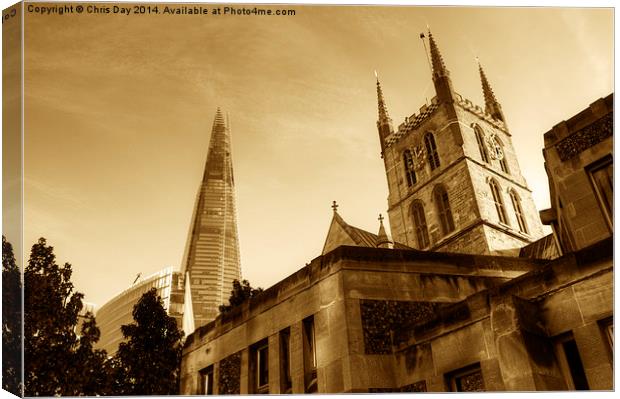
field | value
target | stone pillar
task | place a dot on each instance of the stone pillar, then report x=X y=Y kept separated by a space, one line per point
x=274 y=363
x=595 y=356
x=244 y=380
x=526 y=356
x=297 y=358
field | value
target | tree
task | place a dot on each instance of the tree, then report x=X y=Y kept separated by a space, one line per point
x=241 y=292
x=148 y=363
x=11 y=321
x=57 y=360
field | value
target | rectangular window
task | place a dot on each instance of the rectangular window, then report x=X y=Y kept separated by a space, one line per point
x=259 y=367
x=286 y=384
x=467 y=379
x=206 y=381
x=602 y=177
x=309 y=341
x=570 y=363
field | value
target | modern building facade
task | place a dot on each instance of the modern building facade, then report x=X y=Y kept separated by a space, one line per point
x=453 y=176
x=211 y=260
x=118 y=310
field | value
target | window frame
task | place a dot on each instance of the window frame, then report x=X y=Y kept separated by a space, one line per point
x=309 y=355
x=286 y=380
x=444 y=209
x=484 y=154
x=258 y=351
x=420 y=225
x=568 y=372
x=207 y=380
x=515 y=199
x=432 y=155
x=453 y=378
x=604 y=163
x=498 y=200
x=410 y=174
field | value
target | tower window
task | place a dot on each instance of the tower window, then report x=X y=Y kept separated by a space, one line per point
x=499 y=203
x=409 y=170
x=443 y=209
x=431 y=150
x=419 y=221
x=480 y=139
x=501 y=156
x=516 y=205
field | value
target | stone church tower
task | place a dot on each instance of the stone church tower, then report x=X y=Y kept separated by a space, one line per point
x=454 y=180
x=211 y=261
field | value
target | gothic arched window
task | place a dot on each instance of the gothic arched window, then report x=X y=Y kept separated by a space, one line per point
x=443 y=209
x=409 y=170
x=480 y=139
x=516 y=205
x=419 y=222
x=431 y=150
x=501 y=156
x=499 y=202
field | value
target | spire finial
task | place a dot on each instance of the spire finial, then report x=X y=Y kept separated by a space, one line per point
x=335 y=206
x=383 y=241
x=492 y=106
x=383 y=112
x=439 y=68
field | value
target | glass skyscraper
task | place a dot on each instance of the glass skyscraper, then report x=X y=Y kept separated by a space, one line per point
x=211 y=260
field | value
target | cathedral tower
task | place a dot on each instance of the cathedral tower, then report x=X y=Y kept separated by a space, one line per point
x=211 y=260
x=453 y=177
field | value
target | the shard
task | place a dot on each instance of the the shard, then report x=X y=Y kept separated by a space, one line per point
x=211 y=260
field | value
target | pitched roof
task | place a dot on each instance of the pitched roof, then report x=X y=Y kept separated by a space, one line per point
x=544 y=248
x=341 y=233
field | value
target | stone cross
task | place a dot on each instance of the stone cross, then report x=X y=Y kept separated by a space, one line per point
x=335 y=206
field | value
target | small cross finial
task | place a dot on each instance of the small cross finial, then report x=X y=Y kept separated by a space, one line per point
x=381 y=218
x=334 y=206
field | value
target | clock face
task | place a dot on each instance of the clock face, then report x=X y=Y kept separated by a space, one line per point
x=493 y=146
x=419 y=156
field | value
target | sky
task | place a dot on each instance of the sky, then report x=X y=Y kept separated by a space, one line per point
x=119 y=109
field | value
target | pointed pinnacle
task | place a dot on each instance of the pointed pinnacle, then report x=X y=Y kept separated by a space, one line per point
x=489 y=96
x=439 y=68
x=383 y=112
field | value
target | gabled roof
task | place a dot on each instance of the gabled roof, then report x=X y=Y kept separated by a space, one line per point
x=341 y=233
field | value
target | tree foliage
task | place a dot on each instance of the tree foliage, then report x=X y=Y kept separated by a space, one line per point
x=58 y=359
x=11 y=321
x=148 y=363
x=241 y=292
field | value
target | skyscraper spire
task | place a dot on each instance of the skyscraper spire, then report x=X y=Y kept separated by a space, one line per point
x=492 y=106
x=211 y=260
x=441 y=75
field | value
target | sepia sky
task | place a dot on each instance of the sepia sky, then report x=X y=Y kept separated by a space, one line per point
x=119 y=110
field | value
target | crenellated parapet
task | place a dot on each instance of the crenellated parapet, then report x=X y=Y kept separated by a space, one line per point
x=412 y=122
x=477 y=110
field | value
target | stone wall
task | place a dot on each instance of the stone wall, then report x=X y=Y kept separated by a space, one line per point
x=572 y=148
x=466 y=177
